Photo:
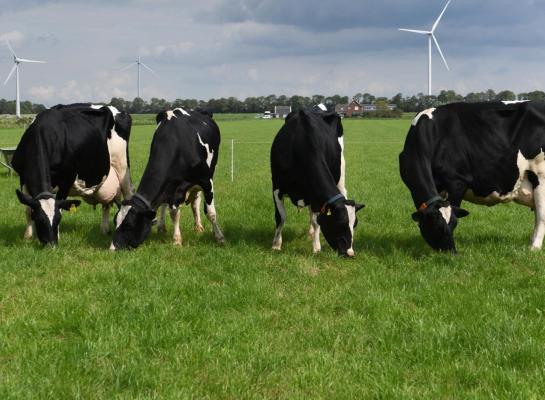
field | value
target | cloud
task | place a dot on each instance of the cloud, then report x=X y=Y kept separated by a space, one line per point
x=14 y=37
x=243 y=48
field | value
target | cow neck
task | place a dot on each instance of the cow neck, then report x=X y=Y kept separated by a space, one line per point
x=322 y=185
x=37 y=176
x=418 y=177
x=154 y=182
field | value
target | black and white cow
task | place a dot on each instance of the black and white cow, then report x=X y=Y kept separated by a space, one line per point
x=307 y=164
x=486 y=153
x=77 y=149
x=182 y=161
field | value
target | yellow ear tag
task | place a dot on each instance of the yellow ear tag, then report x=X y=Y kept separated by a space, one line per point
x=328 y=212
x=72 y=209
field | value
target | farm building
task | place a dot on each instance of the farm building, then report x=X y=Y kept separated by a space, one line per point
x=355 y=109
x=281 y=111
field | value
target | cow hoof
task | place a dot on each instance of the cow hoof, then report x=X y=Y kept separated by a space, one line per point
x=27 y=237
x=316 y=251
x=534 y=248
x=178 y=242
x=199 y=228
x=221 y=241
x=106 y=231
x=162 y=229
x=277 y=247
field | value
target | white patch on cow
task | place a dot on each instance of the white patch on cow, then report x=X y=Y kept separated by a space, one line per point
x=96 y=106
x=322 y=107
x=507 y=103
x=446 y=212
x=114 y=111
x=351 y=210
x=301 y=204
x=48 y=206
x=209 y=153
x=341 y=184
x=122 y=215
x=170 y=114
x=184 y=112
x=428 y=113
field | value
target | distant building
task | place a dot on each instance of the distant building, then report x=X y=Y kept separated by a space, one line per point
x=281 y=111
x=355 y=109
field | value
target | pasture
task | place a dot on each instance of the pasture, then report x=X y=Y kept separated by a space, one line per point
x=240 y=321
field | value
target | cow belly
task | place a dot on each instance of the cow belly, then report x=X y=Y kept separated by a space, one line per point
x=109 y=189
x=522 y=193
x=104 y=193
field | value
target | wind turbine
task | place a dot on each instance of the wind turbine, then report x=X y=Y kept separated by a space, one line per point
x=431 y=36
x=139 y=63
x=17 y=61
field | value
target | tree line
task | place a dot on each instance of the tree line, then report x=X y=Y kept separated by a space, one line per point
x=260 y=104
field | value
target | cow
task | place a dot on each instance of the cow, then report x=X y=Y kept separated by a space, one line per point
x=484 y=153
x=77 y=149
x=182 y=161
x=308 y=166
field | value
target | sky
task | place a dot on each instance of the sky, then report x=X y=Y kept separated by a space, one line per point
x=241 y=48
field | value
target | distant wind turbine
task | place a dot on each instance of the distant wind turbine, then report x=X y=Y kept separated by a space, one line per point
x=17 y=61
x=139 y=63
x=431 y=36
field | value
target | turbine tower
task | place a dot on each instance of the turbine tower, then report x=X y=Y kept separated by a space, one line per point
x=17 y=61
x=431 y=36
x=139 y=63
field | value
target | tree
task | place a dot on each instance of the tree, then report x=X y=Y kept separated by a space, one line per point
x=506 y=95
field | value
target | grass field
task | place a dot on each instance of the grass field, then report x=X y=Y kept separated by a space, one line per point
x=240 y=321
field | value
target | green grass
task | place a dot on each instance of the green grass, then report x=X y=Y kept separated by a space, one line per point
x=240 y=321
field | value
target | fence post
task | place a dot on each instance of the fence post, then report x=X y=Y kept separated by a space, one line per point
x=232 y=160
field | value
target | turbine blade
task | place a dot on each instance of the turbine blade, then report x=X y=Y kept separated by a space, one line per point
x=10 y=73
x=440 y=16
x=440 y=52
x=11 y=49
x=414 y=31
x=128 y=66
x=149 y=69
x=24 y=60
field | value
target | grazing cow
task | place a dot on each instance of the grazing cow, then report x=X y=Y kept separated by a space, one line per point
x=486 y=153
x=307 y=164
x=74 y=149
x=182 y=161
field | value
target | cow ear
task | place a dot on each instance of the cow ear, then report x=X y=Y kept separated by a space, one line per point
x=26 y=199
x=460 y=212
x=417 y=216
x=359 y=206
x=67 y=204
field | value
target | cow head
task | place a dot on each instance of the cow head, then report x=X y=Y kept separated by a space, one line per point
x=437 y=221
x=133 y=223
x=45 y=212
x=338 y=221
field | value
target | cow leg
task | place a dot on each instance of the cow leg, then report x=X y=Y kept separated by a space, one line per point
x=29 y=224
x=196 y=207
x=105 y=224
x=280 y=218
x=341 y=183
x=161 y=223
x=210 y=210
x=175 y=214
x=539 y=229
x=315 y=234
